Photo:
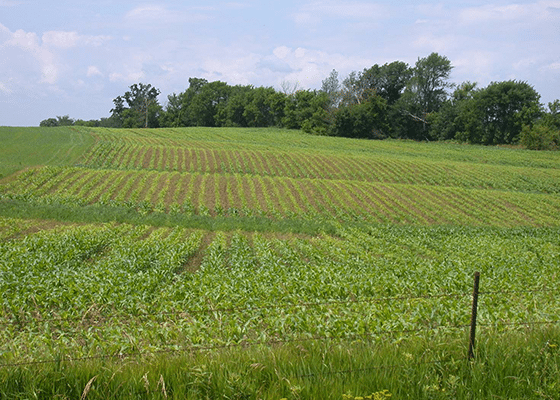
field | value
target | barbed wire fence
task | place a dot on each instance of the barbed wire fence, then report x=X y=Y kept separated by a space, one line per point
x=472 y=326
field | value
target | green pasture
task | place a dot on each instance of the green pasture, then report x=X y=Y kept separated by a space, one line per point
x=26 y=147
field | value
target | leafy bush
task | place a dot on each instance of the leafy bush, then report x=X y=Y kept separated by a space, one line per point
x=540 y=137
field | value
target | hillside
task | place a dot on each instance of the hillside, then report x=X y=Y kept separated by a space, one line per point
x=283 y=174
x=142 y=244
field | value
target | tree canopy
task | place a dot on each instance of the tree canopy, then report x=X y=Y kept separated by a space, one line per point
x=391 y=100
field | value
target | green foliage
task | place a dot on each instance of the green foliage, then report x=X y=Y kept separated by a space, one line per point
x=142 y=108
x=59 y=121
x=306 y=110
x=552 y=117
x=540 y=137
x=493 y=115
x=429 y=83
x=366 y=120
x=49 y=122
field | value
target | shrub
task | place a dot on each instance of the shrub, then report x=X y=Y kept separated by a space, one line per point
x=540 y=137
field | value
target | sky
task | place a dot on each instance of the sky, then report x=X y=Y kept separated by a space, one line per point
x=73 y=57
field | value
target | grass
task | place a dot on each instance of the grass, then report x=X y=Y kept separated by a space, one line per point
x=26 y=147
x=518 y=365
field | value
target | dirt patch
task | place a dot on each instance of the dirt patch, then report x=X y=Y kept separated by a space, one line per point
x=144 y=190
x=195 y=189
x=203 y=164
x=182 y=189
x=121 y=185
x=180 y=159
x=147 y=158
x=40 y=226
x=241 y=165
x=104 y=185
x=172 y=188
x=193 y=263
x=133 y=186
x=381 y=204
x=210 y=193
x=306 y=193
x=303 y=205
x=161 y=184
x=234 y=199
x=211 y=161
x=245 y=190
x=156 y=158
x=318 y=190
x=256 y=193
x=119 y=158
x=67 y=182
x=275 y=197
x=222 y=194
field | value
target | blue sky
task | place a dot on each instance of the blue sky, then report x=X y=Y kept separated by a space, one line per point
x=74 y=57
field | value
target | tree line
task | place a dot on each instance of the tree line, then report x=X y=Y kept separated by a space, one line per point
x=394 y=100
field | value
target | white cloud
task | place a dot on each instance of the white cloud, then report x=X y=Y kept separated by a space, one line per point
x=512 y=13
x=61 y=39
x=346 y=9
x=439 y=43
x=66 y=40
x=93 y=71
x=44 y=50
x=147 y=16
x=128 y=77
x=24 y=40
x=309 y=67
x=5 y=89
x=10 y=3
x=555 y=67
x=49 y=73
x=281 y=52
x=311 y=15
x=29 y=42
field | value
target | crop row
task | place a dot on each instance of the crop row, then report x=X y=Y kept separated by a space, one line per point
x=297 y=164
x=295 y=141
x=219 y=194
x=118 y=288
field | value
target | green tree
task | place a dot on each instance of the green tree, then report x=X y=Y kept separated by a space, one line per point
x=504 y=108
x=387 y=81
x=540 y=137
x=552 y=117
x=426 y=92
x=331 y=87
x=458 y=115
x=365 y=120
x=302 y=106
x=232 y=114
x=207 y=100
x=142 y=108
x=65 y=120
x=49 y=122
x=91 y=123
x=545 y=133
x=264 y=107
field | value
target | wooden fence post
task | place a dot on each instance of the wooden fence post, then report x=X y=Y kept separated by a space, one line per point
x=473 y=314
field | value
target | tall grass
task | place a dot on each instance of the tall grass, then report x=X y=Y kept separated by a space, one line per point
x=514 y=365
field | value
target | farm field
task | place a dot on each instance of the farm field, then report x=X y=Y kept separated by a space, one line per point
x=135 y=245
